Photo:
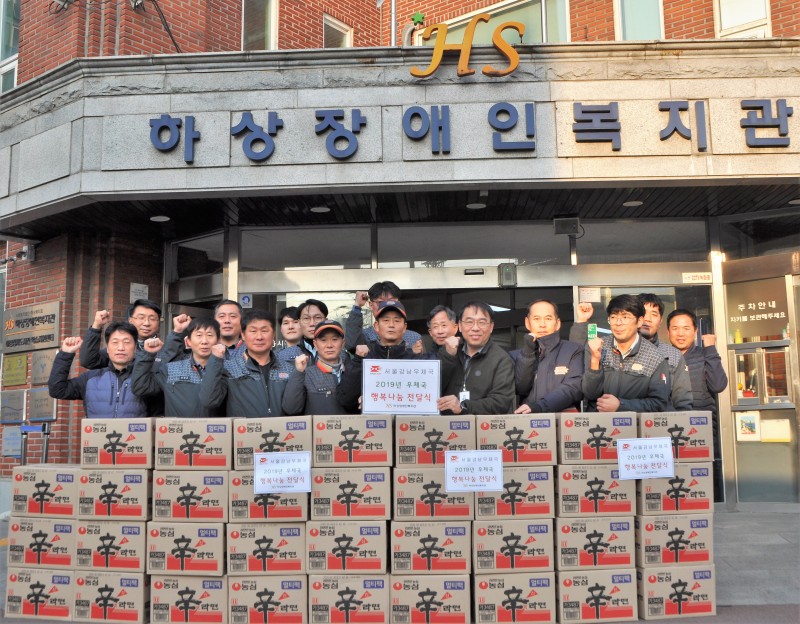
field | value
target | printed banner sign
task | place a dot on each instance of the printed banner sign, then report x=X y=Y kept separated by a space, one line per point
x=400 y=387
x=288 y=471
x=645 y=458
x=473 y=471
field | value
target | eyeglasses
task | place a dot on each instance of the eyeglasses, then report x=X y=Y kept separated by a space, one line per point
x=481 y=323
x=315 y=319
x=142 y=318
x=621 y=319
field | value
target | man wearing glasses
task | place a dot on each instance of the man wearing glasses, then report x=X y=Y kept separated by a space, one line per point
x=623 y=371
x=483 y=379
x=311 y=313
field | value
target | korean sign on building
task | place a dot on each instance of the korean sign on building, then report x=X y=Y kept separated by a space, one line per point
x=31 y=327
x=757 y=310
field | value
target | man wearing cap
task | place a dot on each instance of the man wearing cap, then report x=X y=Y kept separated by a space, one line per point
x=377 y=294
x=390 y=326
x=313 y=388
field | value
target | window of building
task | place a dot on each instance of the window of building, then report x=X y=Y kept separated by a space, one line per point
x=743 y=18
x=545 y=21
x=336 y=34
x=259 y=25
x=9 y=43
x=638 y=20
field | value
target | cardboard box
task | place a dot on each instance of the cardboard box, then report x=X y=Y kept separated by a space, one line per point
x=354 y=547
x=525 y=439
x=117 y=442
x=423 y=440
x=692 y=433
x=122 y=494
x=677 y=592
x=268 y=599
x=49 y=490
x=357 y=493
x=358 y=439
x=690 y=491
x=102 y=596
x=431 y=599
x=188 y=495
x=247 y=506
x=594 y=490
x=45 y=542
x=39 y=594
x=597 y=595
x=596 y=542
x=674 y=540
x=266 y=548
x=525 y=597
x=113 y=545
x=591 y=437
x=269 y=435
x=186 y=548
x=180 y=599
x=419 y=495
x=348 y=598
x=431 y=547
x=528 y=492
x=512 y=546
x=193 y=443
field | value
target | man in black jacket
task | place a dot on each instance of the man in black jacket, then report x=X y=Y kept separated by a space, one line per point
x=482 y=377
x=548 y=370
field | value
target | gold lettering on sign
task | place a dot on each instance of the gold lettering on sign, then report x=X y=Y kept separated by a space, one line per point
x=465 y=48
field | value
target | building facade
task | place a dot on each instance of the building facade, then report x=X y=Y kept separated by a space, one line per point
x=575 y=169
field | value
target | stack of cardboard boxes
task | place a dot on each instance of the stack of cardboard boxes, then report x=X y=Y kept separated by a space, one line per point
x=674 y=522
x=161 y=521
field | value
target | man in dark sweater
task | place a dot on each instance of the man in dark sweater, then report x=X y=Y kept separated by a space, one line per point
x=705 y=370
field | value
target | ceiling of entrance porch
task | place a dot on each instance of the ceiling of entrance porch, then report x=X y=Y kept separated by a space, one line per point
x=189 y=217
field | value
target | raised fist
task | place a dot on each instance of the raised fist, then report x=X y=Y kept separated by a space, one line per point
x=583 y=312
x=180 y=323
x=219 y=350
x=362 y=351
x=72 y=344
x=153 y=345
x=451 y=344
x=709 y=340
x=361 y=298
x=101 y=318
x=596 y=347
x=301 y=362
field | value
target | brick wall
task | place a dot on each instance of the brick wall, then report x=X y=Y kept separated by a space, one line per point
x=689 y=19
x=591 y=20
x=300 y=22
x=85 y=272
x=785 y=18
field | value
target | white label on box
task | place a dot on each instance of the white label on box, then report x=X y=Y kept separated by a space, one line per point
x=473 y=471
x=282 y=472
x=645 y=458
x=400 y=386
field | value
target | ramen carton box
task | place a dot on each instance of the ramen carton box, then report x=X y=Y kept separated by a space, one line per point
x=44 y=542
x=40 y=594
x=357 y=493
x=423 y=440
x=346 y=547
x=597 y=595
x=359 y=440
x=117 y=442
x=595 y=542
x=674 y=540
x=690 y=491
x=519 y=597
x=348 y=598
x=594 y=490
x=193 y=443
x=190 y=495
x=49 y=490
x=419 y=494
x=431 y=547
x=525 y=439
x=121 y=494
x=102 y=596
x=113 y=545
x=186 y=548
x=431 y=599
x=179 y=599
x=501 y=546
x=266 y=548
x=528 y=492
x=269 y=435
x=591 y=437
x=692 y=433
x=247 y=506
x=677 y=592
x=268 y=599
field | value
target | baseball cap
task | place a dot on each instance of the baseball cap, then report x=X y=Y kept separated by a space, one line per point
x=391 y=305
x=328 y=324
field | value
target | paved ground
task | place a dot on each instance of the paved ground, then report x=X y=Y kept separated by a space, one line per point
x=757 y=559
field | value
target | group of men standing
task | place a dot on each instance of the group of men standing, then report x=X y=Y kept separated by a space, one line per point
x=226 y=364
